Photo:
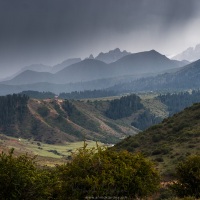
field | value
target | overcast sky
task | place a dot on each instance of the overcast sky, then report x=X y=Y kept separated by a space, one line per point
x=50 y=31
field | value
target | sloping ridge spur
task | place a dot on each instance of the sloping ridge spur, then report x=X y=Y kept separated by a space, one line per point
x=50 y=132
x=170 y=141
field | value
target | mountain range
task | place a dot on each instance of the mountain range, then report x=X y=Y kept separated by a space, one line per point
x=191 y=54
x=149 y=62
x=143 y=71
x=111 y=56
x=45 y=68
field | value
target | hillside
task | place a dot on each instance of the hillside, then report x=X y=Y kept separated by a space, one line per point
x=34 y=67
x=57 y=121
x=98 y=84
x=29 y=77
x=86 y=70
x=170 y=141
x=185 y=78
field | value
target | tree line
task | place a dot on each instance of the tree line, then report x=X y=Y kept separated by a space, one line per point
x=86 y=94
x=128 y=105
x=179 y=101
x=38 y=95
x=12 y=108
x=124 y=107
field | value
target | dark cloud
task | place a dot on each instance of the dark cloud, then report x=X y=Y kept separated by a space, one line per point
x=50 y=17
x=49 y=30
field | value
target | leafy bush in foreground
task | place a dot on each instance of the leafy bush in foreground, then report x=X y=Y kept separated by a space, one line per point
x=95 y=172
x=21 y=179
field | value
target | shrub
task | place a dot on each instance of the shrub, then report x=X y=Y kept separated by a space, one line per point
x=43 y=111
x=21 y=179
x=188 y=178
x=159 y=159
x=97 y=172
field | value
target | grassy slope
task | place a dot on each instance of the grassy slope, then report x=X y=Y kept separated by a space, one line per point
x=95 y=111
x=170 y=141
x=154 y=105
x=56 y=126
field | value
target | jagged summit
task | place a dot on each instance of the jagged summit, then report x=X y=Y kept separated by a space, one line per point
x=191 y=54
x=91 y=56
x=112 y=55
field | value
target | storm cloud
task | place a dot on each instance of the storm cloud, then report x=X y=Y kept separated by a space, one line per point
x=49 y=31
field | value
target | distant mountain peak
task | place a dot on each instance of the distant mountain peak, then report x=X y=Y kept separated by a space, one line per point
x=91 y=56
x=112 y=55
x=151 y=53
x=153 y=50
x=191 y=54
x=116 y=50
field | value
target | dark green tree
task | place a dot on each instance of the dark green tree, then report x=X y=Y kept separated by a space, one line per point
x=124 y=107
x=188 y=178
x=177 y=102
x=9 y=105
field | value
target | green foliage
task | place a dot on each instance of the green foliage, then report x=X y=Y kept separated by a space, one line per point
x=166 y=194
x=21 y=179
x=172 y=140
x=12 y=108
x=43 y=111
x=124 y=106
x=188 y=178
x=92 y=172
x=145 y=120
x=177 y=102
x=97 y=172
